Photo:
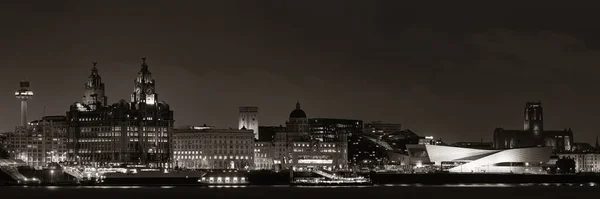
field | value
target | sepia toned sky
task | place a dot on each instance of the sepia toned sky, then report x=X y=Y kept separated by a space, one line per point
x=450 y=71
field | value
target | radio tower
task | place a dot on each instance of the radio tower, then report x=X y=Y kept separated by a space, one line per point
x=24 y=94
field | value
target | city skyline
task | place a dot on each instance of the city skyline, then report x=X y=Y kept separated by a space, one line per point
x=375 y=71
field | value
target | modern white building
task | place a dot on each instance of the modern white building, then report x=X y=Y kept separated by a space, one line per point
x=468 y=160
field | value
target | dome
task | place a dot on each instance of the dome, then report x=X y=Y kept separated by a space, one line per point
x=297 y=113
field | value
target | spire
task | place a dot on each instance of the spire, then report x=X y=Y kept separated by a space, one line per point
x=298 y=104
x=94 y=69
x=144 y=65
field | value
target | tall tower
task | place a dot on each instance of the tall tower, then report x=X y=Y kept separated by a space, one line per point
x=534 y=118
x=249 y=119
x=94 y=90
x=24 y=94
x=143 y=89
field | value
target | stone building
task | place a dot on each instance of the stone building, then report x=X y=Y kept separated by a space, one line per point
x=584 y=162
x=213 y=149
x=134 y=132
x=263 y=155
x=297 y=149
x=533 y=133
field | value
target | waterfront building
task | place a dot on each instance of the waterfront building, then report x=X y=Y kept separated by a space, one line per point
x=468 y=160
x=584 y=162
x=213 y=148
x=3 y=144
x=332 y=130
x=533 y=133
x=248 y=119
x=134 y=132
x=263 y=155
x=40 y=142
x=298 y=149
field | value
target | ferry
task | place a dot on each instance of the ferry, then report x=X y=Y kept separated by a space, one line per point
x=328 y=178
x=225 y=178
x=322 y=181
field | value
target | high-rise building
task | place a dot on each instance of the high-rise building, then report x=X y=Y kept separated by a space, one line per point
x=343 y=131
x=24 y=94
x=42 y=142
x=135 y=132
x=249 y=119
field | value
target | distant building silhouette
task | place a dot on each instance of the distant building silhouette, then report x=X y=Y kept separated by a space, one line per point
x=533 y=133
x=267 y=133
x=381 y=128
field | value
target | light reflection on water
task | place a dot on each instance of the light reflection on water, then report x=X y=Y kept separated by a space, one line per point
x=591 y=184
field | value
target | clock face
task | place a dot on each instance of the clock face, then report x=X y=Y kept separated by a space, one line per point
x=148 y=91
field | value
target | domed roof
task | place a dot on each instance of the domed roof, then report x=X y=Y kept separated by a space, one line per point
x=297 y=113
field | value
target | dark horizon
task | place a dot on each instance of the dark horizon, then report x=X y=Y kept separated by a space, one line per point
x=454 y=73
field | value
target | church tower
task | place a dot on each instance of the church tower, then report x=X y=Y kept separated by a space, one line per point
x=534 y=118
x=94 y=90
x=143 y=89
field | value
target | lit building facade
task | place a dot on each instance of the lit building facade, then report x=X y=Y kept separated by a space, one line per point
x=41 y=142
x=584 y=162
x=334 y=130
x=381 y=128
x=298 y=149
x=428 y=140
x=134 y=132
x=263 y=155
x=249 y=119
x=533 y=133
x=214 y=149
x=468 y=160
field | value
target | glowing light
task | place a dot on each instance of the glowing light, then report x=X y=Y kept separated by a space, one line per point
x=313 y=161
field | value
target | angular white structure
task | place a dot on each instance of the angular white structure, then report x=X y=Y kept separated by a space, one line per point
x=467 y=160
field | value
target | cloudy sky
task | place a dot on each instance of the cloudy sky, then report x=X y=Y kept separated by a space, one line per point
x=451 y=71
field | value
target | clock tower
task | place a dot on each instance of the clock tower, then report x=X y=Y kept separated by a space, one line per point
x=143 y=89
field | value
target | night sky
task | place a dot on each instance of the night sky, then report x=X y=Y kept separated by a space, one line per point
x=450 y=71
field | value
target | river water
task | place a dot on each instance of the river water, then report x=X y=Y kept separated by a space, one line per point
x=480 y=191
